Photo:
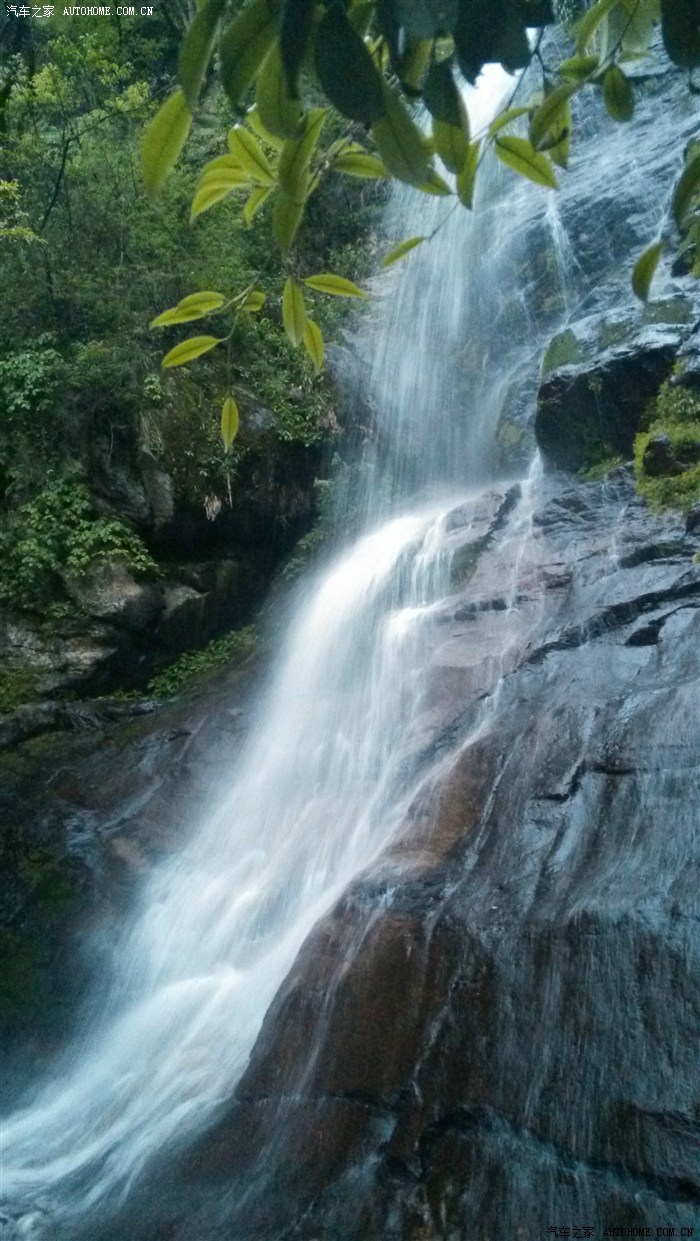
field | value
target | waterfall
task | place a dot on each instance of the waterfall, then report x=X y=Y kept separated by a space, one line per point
x=317 y=791
x=325 y=779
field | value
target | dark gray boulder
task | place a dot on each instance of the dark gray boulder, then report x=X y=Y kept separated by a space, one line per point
x=590 y=411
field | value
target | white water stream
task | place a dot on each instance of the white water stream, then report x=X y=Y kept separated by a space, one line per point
x=317 y=791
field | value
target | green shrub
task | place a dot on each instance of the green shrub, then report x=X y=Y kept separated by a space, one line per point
x=596 y=472
x=674 y=413
x=58 y=533
x=231 y=649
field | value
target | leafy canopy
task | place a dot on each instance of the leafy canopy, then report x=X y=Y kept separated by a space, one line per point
x=288 y=66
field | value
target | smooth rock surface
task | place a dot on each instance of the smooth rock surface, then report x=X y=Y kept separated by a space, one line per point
x=546 y=881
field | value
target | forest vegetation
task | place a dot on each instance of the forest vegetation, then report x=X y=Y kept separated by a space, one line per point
x=275 y=130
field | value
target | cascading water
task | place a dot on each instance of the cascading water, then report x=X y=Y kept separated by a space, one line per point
x=325 y=780
x=315 y=795
x=223 y=921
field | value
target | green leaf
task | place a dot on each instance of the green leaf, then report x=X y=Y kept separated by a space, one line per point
x=227 y=164
x=578 y=68
x=441 y=96
x=644 y=269
x=450 y=120
x=189 y=350
x=390 y=30
x=259 y=195
x=254 y=122
x=401 y=143
x=345 y=68
x=244 y=45
x=280 y=114
x=505 y=118
x=295 y=31
x=512 y=47
x=434 y=184
x=559 y=150
x=293 y=171
x=164 y=139
x=413 y=64
x=197 y=48
x=286 y=218
x=212 y=188
x=403 y=248
x=293 y=311
x=253 y=302
x=618 y=94
x=313 y=343
x=195 y=306
x=230 y=422
x=638 y=25
x=590 y=23
x=552 y=119
x=359 y=164
x=466 y=180
x=360 y=16
x=680 y=27
x=424 y=20
x=537 y=12
x=250 y=155
x=451 y=144
x=338 y=286
x=521 y=156
x=687 y=189
x=486 y=32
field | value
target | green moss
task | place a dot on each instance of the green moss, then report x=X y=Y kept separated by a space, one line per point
x=17 y=685
x=669 y=310
x=44 y=884
x=564 y=349
x=596 y=472
x=230 y=650
x=509 y=436
x=675 y=414
x=615 y=333
x=47 y=880
x=22 y=966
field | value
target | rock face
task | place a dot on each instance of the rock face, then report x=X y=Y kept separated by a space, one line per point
x=125 y=627
x=496 y=1029
x=588 y=411
x=91 y=796
x=112 y=626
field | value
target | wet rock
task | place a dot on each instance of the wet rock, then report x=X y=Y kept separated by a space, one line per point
x=116 y=481
x=159 y=489
x=591 y=411
x=184 y=619
x=111 y=592
x=65 y=655
x=34 y=718
x=661 y=457
x=92 y=794
x=688 y=375
x=492 y=997
x=692 y=521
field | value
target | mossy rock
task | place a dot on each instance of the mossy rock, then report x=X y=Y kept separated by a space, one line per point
x=17 y=685
x=591 y=412
x=564 y=349
x=43 y=897
x=667 y=453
